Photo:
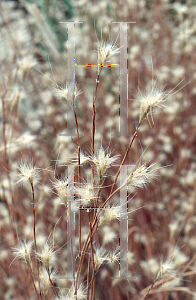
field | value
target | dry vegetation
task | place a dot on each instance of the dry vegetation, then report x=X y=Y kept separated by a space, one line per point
x=36 y=184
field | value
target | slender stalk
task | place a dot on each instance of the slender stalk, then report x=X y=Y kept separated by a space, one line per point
x=87 y=242
x=88 y=277
x=126 y=153
x=175 y=289
x=93 y=263
x=34 y=236
x=33 y=280
x=157 y=283
x=150 y=288
x=93 y=121
x=79 y=178
x=71 y=245
x=188 y=264
x=55 y=290
x=93 y=289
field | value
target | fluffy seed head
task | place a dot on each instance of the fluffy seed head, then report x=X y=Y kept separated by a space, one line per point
x=81 y=294
x=83 y=158
x=110 y=213
x=45 y=281
x=47 y=256
x=114 y=212
x=69 y=92
x=100 y=257
x=149 y=99
x=23 y=251
x=166 y=268
x=61 y=186
x=106 y=51
x=28 y=174
x=86 y=194
x=103 y=161
x=142 y=176
x=113 y=256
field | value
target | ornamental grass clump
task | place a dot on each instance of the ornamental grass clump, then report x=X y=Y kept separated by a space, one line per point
x=105 y=254
x=92 y=201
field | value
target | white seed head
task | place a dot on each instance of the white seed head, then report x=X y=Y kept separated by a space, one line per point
x=28 y=174
x=113 y=256
x=86 y=194
x=61 y=92
x=106 y=51
x=166 y=268
x=109 y=214
x=23 y=251
x=47 y=256
x=81 y=294
x=142 y=176
x=69 y=92
x=149 y=99
x=100 y=256
x=83 y=158
x=61 y=185
x=103 y=161
x=45 y=281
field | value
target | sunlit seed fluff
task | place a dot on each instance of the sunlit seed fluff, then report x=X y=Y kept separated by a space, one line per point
x=83 y=158
x=81 y=293
x=85 y=194
x=69 y=92
x=106 y=51
x=142 y=176
x=45 y=281
x=166 y=268
x=47 y=256
x=28 y=174
x=23 y=251
x=61 y=186
x=113 y=256
x=100 y=256
x=103 y=161
x=149 y=99
x=109 y=214
x=61 y=92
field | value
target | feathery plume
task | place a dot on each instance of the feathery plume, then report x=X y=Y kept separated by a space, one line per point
x=28 y=174
x=23 y=251
x=142 y=175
